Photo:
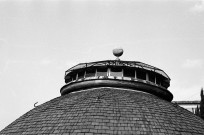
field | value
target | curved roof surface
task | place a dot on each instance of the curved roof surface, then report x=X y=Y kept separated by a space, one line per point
x=118 y=63
x=107 y=111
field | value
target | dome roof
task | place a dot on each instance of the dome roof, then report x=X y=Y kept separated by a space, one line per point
x=110 y=97
x=107 y=110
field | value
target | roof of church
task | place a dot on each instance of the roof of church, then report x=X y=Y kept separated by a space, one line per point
x=106 y=110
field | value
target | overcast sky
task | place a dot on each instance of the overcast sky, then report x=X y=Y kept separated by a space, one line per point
x=39 y=40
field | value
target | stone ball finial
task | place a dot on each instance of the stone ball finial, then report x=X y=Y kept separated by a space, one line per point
x=118 y=52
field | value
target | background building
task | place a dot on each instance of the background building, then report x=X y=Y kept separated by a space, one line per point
x=189 y=105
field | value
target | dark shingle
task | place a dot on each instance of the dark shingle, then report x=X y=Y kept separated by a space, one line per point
x=107 y=111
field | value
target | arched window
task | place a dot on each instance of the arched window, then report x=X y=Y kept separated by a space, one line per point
x=165 y=83
x=101 y=71
x=141 y=74
x=81 y=74
x=116 y=71
x=129 y=72
x=152 y=77
x=74 y=76
x=90 y=72
x=68 y=79
x=158 y=79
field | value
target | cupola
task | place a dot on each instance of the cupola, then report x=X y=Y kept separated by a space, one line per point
x=117 y=73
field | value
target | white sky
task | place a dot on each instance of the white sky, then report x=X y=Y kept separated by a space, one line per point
x=39 y=40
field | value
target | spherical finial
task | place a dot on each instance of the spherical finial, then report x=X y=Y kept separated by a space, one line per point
x=118 y=52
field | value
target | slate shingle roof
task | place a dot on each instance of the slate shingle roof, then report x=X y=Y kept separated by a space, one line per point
x=107 y=111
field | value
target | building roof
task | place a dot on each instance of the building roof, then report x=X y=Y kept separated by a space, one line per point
x=196 y=102
x=130 y=100
x=106 y=110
